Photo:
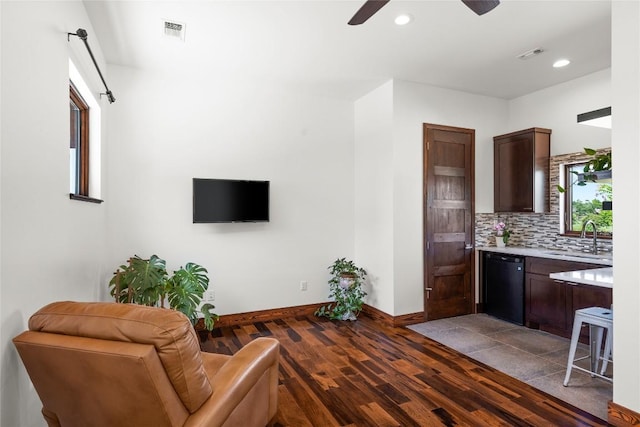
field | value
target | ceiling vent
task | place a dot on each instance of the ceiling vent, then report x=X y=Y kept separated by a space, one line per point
x=530 y=53
x=174 y=30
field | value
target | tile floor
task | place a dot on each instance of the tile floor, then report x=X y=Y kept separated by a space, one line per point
x=535 y=357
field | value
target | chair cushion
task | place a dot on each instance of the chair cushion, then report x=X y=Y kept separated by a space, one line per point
x=169 y=331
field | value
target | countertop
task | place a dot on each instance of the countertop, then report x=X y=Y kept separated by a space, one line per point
x=604 y=259
x=596 y=277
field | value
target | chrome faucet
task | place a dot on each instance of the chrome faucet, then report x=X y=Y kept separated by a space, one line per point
x=595 y=234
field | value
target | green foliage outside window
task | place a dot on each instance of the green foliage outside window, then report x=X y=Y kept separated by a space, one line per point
x=584 y=210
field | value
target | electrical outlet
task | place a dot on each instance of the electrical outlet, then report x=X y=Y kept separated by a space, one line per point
x=208 y=296
x=303 y=285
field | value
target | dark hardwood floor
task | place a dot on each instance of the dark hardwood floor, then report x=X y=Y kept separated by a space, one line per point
x=365 y=373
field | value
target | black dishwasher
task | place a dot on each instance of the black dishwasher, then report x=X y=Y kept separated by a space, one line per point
x=504 y=286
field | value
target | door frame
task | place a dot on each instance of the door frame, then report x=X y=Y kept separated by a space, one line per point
x=472 y=276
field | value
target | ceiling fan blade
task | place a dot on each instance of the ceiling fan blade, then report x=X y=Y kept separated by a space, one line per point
x=367 y=11
x=480 y=7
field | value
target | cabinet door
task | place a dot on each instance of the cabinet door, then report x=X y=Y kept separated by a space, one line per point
x=521 y=171
x=513 y=174
x=546 y=303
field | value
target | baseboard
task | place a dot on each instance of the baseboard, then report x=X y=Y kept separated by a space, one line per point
x=267 y=315
x=403 y=320
x=307 y=310
x=377 y=315
x=619 y=416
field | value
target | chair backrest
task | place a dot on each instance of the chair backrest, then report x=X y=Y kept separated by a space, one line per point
x=92 y=382
x=151 y=339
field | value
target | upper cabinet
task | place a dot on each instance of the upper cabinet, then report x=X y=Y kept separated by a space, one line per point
x=521 y=171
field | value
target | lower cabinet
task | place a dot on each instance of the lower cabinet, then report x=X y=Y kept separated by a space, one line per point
x=550 y=304
x=546 y=304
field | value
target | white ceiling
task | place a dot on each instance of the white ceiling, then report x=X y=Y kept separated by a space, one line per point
x=307 y=44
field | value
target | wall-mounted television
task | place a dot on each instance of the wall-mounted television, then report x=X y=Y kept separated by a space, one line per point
x=227 y=200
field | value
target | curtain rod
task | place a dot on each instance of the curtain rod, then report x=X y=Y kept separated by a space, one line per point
x=82 y=34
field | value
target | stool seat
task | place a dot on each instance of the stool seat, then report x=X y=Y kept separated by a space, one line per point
x=599 y=320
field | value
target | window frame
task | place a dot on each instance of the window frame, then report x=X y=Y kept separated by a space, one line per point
x=568 y=199
x=82 y=164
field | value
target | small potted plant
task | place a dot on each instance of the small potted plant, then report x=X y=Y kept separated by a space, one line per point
x=346 y=290
x=146 y=282
x=502 y=234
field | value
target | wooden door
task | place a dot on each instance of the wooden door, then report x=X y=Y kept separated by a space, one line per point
x=448 y=221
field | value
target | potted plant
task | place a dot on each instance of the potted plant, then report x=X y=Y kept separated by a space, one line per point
x=146 y=282
x=346 y=291
x=502 y=234
x=593 y=169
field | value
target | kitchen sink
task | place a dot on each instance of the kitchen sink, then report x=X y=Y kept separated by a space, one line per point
x=601 y=257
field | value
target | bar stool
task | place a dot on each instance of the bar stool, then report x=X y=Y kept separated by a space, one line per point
x=599 y=319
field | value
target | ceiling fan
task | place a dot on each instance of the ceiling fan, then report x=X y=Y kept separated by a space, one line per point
x=370 y=7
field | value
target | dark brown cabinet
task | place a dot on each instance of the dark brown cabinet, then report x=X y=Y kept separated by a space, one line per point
x=521 y=171
x=546 y=303
x=550 y=304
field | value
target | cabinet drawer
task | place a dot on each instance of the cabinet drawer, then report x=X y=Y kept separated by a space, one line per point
x=547 y=266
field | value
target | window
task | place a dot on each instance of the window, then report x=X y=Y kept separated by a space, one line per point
x=79 y=143
x=585 y=202
x=84 y=143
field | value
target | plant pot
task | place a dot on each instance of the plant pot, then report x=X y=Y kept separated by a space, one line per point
x=349 y=316
x=500 y=241
x=347 y=280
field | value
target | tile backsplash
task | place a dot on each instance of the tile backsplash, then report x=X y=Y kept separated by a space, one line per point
x=533 y=230
x=540 y=230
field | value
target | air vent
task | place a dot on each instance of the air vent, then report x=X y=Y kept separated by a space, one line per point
x=530 y=53
x=174 y=30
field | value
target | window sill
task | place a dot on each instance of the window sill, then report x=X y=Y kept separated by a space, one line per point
x=84 y=198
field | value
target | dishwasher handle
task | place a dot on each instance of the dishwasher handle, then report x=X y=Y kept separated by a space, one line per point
x=504 y=258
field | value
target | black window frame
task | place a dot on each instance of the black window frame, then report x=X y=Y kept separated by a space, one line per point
x=569 y=179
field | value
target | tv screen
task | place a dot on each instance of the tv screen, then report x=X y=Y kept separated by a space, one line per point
x=225 y=200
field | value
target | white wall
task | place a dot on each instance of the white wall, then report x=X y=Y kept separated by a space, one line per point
x=397 y=162
x=415 y=104
x=557 y=108
x=626 y=157
x=374 y=166
x=166 y=130
x=52 y=247
x=2 y=341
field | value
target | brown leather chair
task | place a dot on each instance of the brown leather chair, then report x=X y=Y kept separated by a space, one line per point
x=108 y=364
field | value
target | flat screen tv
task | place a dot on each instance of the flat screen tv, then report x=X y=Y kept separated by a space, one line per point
x=227 y=200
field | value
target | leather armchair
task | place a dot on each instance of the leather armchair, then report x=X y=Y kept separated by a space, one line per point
x=108 y=364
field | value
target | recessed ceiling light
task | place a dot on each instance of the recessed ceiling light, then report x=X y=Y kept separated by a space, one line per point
x=403 y=19
x=561 y=63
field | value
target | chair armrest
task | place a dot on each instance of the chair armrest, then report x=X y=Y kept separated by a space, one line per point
x=233 y=381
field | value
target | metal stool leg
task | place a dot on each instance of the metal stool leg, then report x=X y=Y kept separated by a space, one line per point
x=575 y=336
x=595 y=344
x=607 y=351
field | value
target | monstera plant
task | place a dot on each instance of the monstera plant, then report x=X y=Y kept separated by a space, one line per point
x=146 y=282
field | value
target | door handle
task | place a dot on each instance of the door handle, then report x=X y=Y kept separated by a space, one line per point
x=428 y=292
x=468 y=246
